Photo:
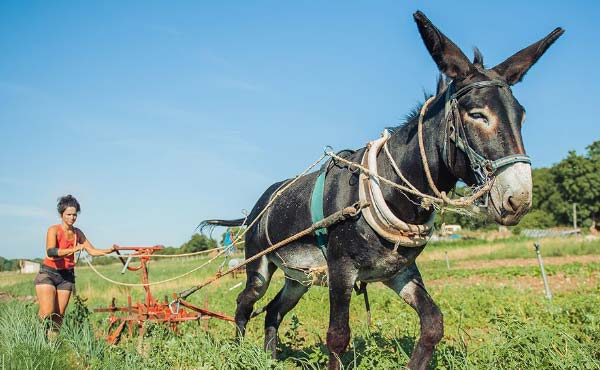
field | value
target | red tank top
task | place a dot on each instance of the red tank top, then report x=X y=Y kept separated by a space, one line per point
x=62 y=263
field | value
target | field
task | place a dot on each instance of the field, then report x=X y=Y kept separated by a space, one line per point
x=495 y=312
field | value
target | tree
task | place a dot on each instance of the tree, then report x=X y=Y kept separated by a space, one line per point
x=198 y=243
x=8 y=264
x=578 y=181
x=548 y=208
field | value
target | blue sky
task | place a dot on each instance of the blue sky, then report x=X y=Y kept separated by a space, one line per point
x=157 y=115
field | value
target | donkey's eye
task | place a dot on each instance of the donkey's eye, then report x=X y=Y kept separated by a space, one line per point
x=478 y=116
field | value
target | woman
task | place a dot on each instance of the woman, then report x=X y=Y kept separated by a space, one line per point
x=56 y=279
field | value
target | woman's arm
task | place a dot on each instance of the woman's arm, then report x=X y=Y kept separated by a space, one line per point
x=93 y=251
x=52 y=250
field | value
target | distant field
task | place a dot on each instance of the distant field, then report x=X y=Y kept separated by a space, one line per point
x=492 y=297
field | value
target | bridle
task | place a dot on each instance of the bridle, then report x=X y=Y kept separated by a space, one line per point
x=382 y=219
x=483 y=168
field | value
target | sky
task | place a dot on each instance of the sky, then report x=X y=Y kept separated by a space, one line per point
x=157 y=115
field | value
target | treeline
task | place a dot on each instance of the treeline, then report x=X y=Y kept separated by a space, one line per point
x=197 y=243
x=573 y=180
x=8 y=264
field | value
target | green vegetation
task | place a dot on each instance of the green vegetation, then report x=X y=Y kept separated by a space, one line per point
x=494 y=318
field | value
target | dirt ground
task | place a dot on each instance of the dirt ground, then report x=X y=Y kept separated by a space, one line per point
x=524 y=262
x=557 y=283
x=4 y=296
x=462 y=253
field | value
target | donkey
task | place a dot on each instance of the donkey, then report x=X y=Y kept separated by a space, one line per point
x=471 y=131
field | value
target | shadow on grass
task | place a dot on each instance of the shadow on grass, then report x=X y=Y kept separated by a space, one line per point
x=367 y=352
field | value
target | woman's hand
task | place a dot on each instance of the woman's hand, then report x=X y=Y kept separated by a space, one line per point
x=109 y=250
x=94 y=252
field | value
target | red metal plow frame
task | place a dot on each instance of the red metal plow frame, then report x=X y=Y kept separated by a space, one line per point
x=136 y=314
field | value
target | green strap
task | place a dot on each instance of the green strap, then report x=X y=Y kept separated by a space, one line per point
x=316 y=211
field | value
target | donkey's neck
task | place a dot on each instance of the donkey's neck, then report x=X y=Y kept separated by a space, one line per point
x=404 y=148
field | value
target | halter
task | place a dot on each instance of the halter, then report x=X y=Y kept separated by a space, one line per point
x=482 y=168
x=378 y=215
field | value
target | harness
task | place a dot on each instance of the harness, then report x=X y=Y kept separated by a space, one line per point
x=317 y=200
x=317 y=215
x=378 y=215
x=316 y=209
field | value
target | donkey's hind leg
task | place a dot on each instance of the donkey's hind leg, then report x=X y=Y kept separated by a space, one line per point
x=409 y=286
x=284 y=301
x=258 y=276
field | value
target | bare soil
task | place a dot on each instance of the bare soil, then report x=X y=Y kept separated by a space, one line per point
x=4 y=297
x=524 y=262
x=462 y=253
x=557 y=283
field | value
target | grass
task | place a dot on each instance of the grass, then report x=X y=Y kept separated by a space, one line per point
x=514 y=247
x=488 y=325
x=548 y=247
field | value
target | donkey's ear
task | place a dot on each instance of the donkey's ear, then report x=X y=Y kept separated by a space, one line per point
x=449 y=58
x=514 y=68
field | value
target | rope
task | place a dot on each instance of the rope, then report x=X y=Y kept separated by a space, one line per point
x=440 y=198
x=151 y=283
x=276 y=195
x=169 y=255
x=461 y=202
x=395 y=167
x=399 y=173
x=183 y=254
x=391 y=183
x=223 y=250
x=328 y=221
x=187 y=254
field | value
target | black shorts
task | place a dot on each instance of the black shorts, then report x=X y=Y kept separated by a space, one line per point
x=61 y=279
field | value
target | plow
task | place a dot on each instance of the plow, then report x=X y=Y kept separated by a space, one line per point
x=134 y=315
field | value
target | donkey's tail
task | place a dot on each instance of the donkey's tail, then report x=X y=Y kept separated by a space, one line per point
x=207 y=226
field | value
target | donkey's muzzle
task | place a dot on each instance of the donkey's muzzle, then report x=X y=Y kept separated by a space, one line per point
x=511 y=194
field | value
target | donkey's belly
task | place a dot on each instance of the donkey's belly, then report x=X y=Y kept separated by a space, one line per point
x=303 y=263
x=385 y=265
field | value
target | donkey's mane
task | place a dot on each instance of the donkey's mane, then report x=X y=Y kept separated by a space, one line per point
x=410 y=120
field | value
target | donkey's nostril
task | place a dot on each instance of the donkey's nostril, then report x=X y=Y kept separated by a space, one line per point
x=511 y=204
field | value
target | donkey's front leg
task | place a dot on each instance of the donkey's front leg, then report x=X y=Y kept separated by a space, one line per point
x=409 y=286
x=342 y=276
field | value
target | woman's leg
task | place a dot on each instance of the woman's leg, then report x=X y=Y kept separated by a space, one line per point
x=63 y=300
x=47 y=299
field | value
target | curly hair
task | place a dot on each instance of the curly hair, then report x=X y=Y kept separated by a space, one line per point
x=67 y=201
